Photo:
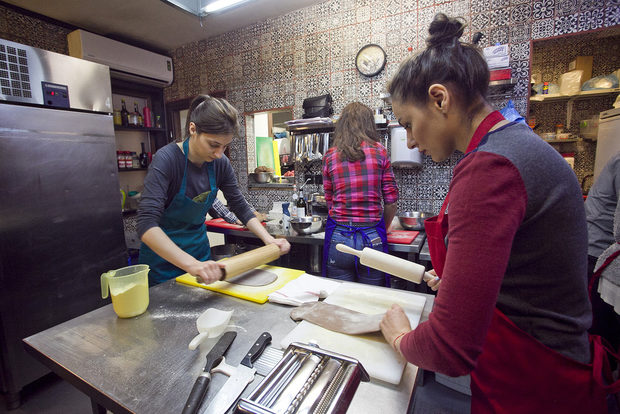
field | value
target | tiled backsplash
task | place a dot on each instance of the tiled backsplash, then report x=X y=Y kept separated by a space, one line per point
x=281 y=61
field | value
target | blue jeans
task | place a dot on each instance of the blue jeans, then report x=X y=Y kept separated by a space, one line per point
x=342 y=266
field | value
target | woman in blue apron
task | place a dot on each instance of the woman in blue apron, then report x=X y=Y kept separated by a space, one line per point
x=361 y=195
x=179 y=189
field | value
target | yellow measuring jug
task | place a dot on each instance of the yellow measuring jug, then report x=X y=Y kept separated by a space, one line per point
x=129 y=289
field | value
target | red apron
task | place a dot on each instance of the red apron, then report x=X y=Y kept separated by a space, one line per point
x=515 y=373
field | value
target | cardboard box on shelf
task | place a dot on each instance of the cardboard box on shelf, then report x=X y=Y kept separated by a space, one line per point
x=583 y=63
x=495 y=51
x=498 y=62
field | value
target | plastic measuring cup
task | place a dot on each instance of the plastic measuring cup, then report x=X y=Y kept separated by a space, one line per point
x=129 y=289
x=210 y=323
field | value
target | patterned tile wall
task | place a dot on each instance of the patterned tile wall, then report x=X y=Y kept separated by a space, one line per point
x=281 y=61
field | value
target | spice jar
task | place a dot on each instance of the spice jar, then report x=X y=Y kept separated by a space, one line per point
x=559 y=128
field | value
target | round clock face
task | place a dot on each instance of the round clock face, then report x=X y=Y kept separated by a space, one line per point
x=370 y=60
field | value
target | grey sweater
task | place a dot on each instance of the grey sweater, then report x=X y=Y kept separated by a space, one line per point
x=163 y=182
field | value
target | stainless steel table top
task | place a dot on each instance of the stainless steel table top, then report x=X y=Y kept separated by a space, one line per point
x=143 y=364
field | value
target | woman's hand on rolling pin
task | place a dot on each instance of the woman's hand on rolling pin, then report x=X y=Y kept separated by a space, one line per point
x=394 y=326
x=207 y=272
x=435 y=282
x=283 y=244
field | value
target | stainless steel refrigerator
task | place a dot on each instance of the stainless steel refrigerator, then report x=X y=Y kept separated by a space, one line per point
x=60 y=208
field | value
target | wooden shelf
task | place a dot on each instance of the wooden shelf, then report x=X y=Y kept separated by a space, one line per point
x=140 y=129
x=580 y=95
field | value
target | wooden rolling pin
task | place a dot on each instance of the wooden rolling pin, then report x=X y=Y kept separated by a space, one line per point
x=387 y=263
x=243 y=262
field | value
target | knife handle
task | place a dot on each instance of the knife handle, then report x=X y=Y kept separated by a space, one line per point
x=256 y=350
x=197 y=394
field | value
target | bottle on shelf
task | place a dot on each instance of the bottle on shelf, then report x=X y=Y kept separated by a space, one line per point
x=301 y=205
x=144 y=158
x=147 y=117
x=128 y=161
x=124 y=114
x=158 y=121
x=138 y=117
x=292 y=207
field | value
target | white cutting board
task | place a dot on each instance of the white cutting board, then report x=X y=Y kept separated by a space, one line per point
x=375 y=354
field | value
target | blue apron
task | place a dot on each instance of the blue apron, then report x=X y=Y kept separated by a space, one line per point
x=184 y=222
x=331 y=225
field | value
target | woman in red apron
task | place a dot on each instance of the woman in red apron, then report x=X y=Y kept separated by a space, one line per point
x=509 y=245
x=180 y=188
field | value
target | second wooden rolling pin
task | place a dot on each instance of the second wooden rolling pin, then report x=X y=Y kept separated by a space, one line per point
x=387 y=263
x=243 y=262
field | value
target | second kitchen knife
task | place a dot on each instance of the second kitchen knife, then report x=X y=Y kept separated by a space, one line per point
x=240 y=377
x=215 y=355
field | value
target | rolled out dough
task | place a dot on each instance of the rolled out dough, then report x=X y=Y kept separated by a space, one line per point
x=338 y=319
x=254 y=277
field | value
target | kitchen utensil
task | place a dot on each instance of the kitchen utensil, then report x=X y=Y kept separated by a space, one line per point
x=402 y=236
x=413 y=220
x=387 y=263
x=210 y=324
x=307 y=379
x=262 y=177
x=378 y=357
x=239 y=377
x=258 y=294
x=307 y=224
x=129 y=289
x=214 y=357
x=243 y=262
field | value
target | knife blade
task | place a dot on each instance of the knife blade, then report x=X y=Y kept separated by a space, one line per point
x=239 y=377
x=201 y=385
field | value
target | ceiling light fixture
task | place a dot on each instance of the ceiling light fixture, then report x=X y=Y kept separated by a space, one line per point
x=220 y=5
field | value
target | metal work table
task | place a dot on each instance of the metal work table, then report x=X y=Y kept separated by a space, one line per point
x=425 y=254
x=143 y=364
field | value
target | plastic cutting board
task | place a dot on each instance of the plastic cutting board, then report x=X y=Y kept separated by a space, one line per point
x=402 y=236
x=256 y=294
x=376 y=355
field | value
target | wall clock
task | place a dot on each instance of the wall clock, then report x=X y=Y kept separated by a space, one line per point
x=370 y=60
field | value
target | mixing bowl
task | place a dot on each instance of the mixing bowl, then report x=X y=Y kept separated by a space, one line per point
x=307 y=224
x=413 y=220
x=262 y=177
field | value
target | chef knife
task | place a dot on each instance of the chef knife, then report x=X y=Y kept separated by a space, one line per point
x=240 y=377
x=214 y=357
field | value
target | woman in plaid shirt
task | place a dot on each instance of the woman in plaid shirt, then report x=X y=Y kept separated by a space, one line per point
x=361 y=195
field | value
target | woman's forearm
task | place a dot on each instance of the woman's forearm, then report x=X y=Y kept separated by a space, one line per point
x=259 y=230
x=161 y=244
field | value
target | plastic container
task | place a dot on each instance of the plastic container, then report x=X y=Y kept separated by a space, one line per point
x=128 y=288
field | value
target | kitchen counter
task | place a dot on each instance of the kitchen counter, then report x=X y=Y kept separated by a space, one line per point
x=143 y=364
x=315 y=242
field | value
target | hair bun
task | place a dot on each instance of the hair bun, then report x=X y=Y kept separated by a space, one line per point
x=444 y=30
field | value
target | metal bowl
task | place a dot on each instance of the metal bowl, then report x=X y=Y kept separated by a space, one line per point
x=413 y=220
x=307 y=224
x=262 y=177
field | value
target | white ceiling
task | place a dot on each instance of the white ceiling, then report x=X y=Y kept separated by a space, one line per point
x=153 y=22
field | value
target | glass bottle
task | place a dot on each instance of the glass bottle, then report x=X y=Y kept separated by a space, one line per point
x=124 y=114
x=137 y=115
x=144 y=158
x=301 y=205
x=293 y=204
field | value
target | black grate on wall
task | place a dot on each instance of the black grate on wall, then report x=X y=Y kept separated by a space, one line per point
x=14 y=76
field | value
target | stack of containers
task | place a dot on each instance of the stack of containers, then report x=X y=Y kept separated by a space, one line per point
x=499 y=62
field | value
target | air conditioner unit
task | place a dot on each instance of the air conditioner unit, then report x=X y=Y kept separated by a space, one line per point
x=125 y=61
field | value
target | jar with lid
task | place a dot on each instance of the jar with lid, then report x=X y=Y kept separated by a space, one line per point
x=120 y=159
x=135 y=161
x=559 y=128
x=127 y=159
